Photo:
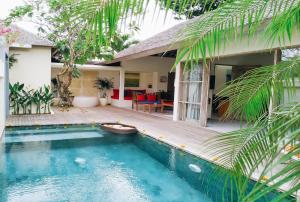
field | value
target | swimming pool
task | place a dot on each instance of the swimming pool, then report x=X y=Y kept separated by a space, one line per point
x=84 y=163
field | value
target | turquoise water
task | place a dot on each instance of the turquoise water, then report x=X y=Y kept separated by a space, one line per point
x=84 y=163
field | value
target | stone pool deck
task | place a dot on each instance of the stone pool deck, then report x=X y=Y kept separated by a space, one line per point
x=188 y=137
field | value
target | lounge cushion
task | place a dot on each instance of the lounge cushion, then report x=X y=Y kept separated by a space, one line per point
x=141 y=97
x=151 y=97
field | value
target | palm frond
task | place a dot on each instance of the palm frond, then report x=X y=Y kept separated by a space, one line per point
x=103 y=17
x=282 y=26
x=261 y=146
x=209 y=33
x=249 y=95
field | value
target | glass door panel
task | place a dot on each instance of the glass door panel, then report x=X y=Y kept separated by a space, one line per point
x=191 y=84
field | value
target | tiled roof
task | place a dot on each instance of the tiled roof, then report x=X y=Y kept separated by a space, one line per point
x=163 y=41
x=27 y=38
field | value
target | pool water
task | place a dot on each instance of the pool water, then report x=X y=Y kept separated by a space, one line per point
x=84 y=163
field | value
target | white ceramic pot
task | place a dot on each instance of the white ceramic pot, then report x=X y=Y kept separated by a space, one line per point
x=103 y=101
x=85 y=101
x=109 y=100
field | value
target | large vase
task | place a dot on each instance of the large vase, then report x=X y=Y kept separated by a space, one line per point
x=103 y=101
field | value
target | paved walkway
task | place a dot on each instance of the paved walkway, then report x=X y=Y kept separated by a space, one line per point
x=179 y=134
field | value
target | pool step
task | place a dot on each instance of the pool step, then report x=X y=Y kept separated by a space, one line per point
x=38 y=130
x=52 y=136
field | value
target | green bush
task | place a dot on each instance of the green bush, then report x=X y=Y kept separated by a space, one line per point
x=22 y=100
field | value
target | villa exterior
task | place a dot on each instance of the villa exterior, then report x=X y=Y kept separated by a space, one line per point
x=149 y=65
x=148 y=70
x=33 y=65
x=195 y=91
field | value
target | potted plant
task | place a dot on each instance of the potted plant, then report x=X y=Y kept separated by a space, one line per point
x=104 y=85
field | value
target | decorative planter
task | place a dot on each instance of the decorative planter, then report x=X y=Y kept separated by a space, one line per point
x=109 y=100
x=85 y=101
x=103 y=101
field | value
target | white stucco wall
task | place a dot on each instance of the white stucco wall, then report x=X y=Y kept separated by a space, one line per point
x=85 y=84
x=33 y=67
x=146 y=66
x=3 y=51
x=220 y=73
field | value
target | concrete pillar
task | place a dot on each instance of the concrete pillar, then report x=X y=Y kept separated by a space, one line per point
x=178 y=76
x=204 y=94
x=122 y=84
x=155 y=82
x=277 y=59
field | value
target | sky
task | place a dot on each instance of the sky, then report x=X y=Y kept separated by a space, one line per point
x=150 y=26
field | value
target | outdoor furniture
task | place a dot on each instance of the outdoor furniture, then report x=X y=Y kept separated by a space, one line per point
x=138 y=99
x=146 y=100
x=151 y=106
x=128 y=93
x=166 y=103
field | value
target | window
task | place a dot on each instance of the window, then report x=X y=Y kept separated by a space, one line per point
x=132 y=79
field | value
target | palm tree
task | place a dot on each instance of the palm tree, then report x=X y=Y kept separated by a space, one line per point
x=118 y=43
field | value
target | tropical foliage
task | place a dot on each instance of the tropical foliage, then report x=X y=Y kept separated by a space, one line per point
x=119 y=42
x=78 y=38
x=23 y=101
x=192 y=9
x=12 y=59
x=235 y=20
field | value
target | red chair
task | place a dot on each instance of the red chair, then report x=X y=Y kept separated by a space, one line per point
x=138 y=99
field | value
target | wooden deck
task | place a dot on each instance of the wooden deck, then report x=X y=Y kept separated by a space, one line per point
x=190 y=138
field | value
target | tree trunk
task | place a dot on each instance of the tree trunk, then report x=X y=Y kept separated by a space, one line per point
x=64 y=80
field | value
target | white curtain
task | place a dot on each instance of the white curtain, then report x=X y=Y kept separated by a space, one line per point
x=194 y=93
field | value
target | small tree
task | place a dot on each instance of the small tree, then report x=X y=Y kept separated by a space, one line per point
x=58 y=21
x=4 y=30
x=55 y=22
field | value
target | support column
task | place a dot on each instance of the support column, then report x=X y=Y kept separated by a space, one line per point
x=122 y=85
x=178 y=75
x=204 y=94
x=277 y=59
x=155 y=82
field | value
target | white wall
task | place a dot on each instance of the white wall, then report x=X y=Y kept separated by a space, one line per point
x=261 y=59
x=33 y=67
x=146 y=66
x=3 y=50
x=220 y=73
x=114 y=75
x=85 y=84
